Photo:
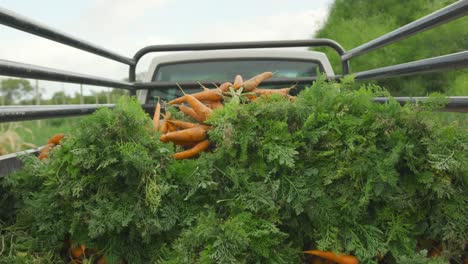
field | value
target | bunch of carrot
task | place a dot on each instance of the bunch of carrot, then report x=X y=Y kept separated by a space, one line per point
x=199 y=106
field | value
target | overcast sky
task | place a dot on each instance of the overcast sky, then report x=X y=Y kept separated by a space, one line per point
x=125 y=26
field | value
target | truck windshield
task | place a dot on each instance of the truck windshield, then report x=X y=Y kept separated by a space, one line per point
x=226 y=70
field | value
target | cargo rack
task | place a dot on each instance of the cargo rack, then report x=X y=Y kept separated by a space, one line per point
x=16 y=69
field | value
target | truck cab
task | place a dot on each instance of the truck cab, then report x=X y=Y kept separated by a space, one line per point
x=206 y=66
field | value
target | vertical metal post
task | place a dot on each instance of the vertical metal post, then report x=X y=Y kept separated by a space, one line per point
x=108 y=95
x=345 y=67
x=63 y=91
x=131 y=78
x=36 y=91
x=81 y=94
x=38 y=100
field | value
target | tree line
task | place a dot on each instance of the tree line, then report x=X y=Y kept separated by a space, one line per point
x=22 y=92
x=354 y=22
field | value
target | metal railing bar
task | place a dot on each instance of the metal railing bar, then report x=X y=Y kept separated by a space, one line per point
x=24 y=113
x=455 y=103
x=445 y=62
x=280 y=81
x=33 y=112
x=245 y=45
x=23 y=70
x=10 y=162
x=13 y=20
x=444 y=15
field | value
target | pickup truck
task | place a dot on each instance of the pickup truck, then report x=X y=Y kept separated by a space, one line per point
x=214 y=63
x=224 y=65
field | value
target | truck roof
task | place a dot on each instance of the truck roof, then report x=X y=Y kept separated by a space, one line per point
x=240 y=54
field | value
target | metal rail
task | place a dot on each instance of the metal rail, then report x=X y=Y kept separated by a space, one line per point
x=165 y=85
x=33 y=112
x=16 y=69
x=454 y=104
x=10 y=162
x=446 y=62
x=11 y=19
x=24 y=113
x=444 y=15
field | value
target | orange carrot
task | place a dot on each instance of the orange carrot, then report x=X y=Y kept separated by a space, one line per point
x=78 y=251
x=283 y=91
x=101 y=260
x=171 y=127
x=190 y=134
x=252 y=83
x=225 y=87
x=252 y=97
x=190 y=112
x=238 y=81
x=193 y=151
x=184 y=125
x=215 y=105
x=202 y=110
x=208 y=95
x=339 y=259
x=157 y=113
x=164 y=127
x=45 y=151
x=185 y=143
x=55 y=139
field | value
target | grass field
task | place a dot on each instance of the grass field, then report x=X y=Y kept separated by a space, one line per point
x=24 y=135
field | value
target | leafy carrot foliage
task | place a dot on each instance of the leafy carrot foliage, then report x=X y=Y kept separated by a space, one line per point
x=331 y=170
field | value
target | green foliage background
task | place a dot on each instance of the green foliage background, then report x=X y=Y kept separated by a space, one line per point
x=354 y=22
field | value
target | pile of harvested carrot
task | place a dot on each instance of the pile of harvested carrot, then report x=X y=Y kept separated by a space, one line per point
x=199 y=106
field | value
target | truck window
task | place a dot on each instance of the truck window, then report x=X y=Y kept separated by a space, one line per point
x=215 y=70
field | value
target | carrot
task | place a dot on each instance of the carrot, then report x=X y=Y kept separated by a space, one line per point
x=202 y=110
x=171 y=127
x=55 y=139
x=207 y=95
x=283 y=91
x=190 y=134
x=252 y=83
x=238 y=81
x=185 y=125
x=215 y=105
x=193 y=151
x=182 y=124
x=225 y=87
x=339 y=259
x=101 y=260
x=164 y=127
x=184 y=143
x=190 y=112
x=435 y=250
x=157 y=113
x=252 y=97
x=317 y=260
x=45 y=151
x=78 y=251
